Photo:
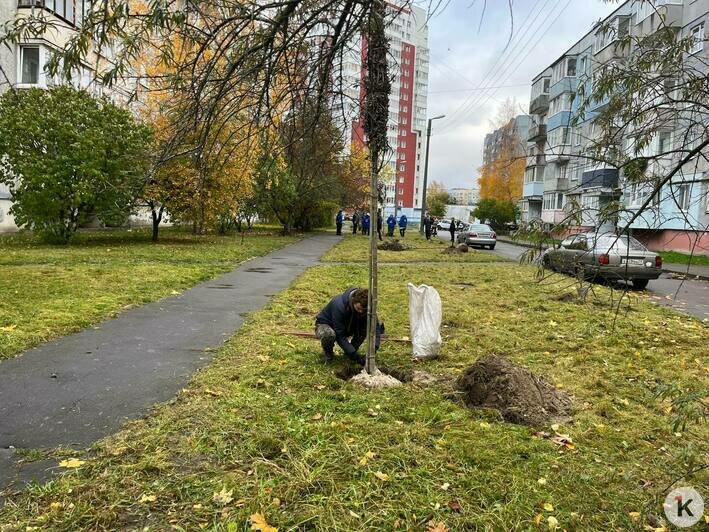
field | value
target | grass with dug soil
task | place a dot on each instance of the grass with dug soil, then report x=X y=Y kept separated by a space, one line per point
x=49 y=291
x=268 y=429
x=355 y=248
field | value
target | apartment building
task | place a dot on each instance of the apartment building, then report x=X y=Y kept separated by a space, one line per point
x=464 y=196
x=516 y=128
x=559 y=173
x=22 y=66
x=408 y=63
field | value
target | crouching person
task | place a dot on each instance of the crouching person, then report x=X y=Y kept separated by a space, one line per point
x=344 y=321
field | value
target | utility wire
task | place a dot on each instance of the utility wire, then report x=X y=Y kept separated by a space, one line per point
x=488 y=77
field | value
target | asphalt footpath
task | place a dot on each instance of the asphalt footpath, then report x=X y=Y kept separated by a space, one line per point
x=75 y=390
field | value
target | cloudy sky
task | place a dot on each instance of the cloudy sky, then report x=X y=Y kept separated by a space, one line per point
x=466 y=54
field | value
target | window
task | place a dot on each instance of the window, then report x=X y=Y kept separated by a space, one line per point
x=547 y=81
x=683 y=196
x=697 y=33
x=559 y=201
x=29 y=59
x=664 y=143
x=571 y=67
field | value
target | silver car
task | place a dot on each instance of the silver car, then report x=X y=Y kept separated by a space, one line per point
x=478 y=235
x=607 y=256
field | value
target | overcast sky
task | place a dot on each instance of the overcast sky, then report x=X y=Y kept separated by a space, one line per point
x=465 y=54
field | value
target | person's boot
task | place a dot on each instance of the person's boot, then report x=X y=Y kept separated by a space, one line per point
x=328 y=355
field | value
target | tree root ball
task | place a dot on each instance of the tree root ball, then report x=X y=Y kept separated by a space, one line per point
x=519 y=395
x=392 y=245
x=375 y=381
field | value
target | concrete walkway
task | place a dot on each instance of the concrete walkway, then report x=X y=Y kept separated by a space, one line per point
x=80 y=388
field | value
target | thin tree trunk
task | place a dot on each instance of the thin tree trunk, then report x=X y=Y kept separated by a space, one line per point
x=371 y=364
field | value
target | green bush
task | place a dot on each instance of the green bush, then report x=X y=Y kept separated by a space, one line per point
x=66 y=156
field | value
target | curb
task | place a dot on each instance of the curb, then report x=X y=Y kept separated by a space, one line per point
x=688 y=275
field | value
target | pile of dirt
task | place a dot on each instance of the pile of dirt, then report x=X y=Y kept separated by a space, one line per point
x=392 y=245
x=519 y=395
x=460 y=248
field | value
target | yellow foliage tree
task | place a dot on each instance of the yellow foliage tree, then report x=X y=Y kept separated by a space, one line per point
x=502 y=177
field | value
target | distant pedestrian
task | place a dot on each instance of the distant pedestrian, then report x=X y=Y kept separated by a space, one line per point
x=434 y=227
x=427 y=223
x=379 y=224
x=355 y=222
x=338 y=221
x=391 y=225
x=366 y=221
x=452 y=231
x=403 y=222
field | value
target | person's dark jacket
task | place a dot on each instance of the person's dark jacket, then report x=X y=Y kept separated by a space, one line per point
x=403 y=221
x=345 y=321
x=428 y=222
x=355 y=218
x=391 y=222
x=379 y=222
x=339 y=217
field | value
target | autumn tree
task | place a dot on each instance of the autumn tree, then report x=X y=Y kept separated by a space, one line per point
x=298 y=177
x=437 y=197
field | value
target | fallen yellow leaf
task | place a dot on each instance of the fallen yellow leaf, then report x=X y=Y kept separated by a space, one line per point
x=258 y=522
x=549 y=507
x=552 y=522
x=148 y=498
x=8 y=328
x=445 y=486
x=381 y=476
x=317 y=417
x=71 y=463
x=356 y=516
x=635 y=516
x=538 y=519
x=541 y=481
x=223 y=497
x=436 y=527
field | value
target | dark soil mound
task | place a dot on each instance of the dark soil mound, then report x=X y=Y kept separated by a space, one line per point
x=392 y=245
x=460 y=248
x=519 y=395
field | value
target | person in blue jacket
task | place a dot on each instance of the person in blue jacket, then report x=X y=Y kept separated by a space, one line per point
x=365 y=223
x=391 y=225
x=338 y=221
x=403 y=222
x=345 y=317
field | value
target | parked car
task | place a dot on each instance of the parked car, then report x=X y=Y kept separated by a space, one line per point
x=445 y=225
x=478 y=235
x=607 y=256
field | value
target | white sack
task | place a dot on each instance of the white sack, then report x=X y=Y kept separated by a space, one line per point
x=425 y=313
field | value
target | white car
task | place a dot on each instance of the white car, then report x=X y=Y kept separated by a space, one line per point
x=478 y=235
x=445 y=225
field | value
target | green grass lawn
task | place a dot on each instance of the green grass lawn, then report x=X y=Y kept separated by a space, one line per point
x=684 y=258
x=268 y=429
x=355 y=249
x=49 y=291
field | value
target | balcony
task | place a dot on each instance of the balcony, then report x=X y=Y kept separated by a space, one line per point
x=556 y=184
x=565 y=84
x=602 y=178
x=539 y=105
x=537 y=133
x=533 y=190
x=536 y=160
x=558 y=154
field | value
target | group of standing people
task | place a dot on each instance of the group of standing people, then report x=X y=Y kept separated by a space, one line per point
x=430 y=225
x=391 y=225
x=361 y=221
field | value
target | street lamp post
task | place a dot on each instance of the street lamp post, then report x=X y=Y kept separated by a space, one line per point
x=425 y=169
